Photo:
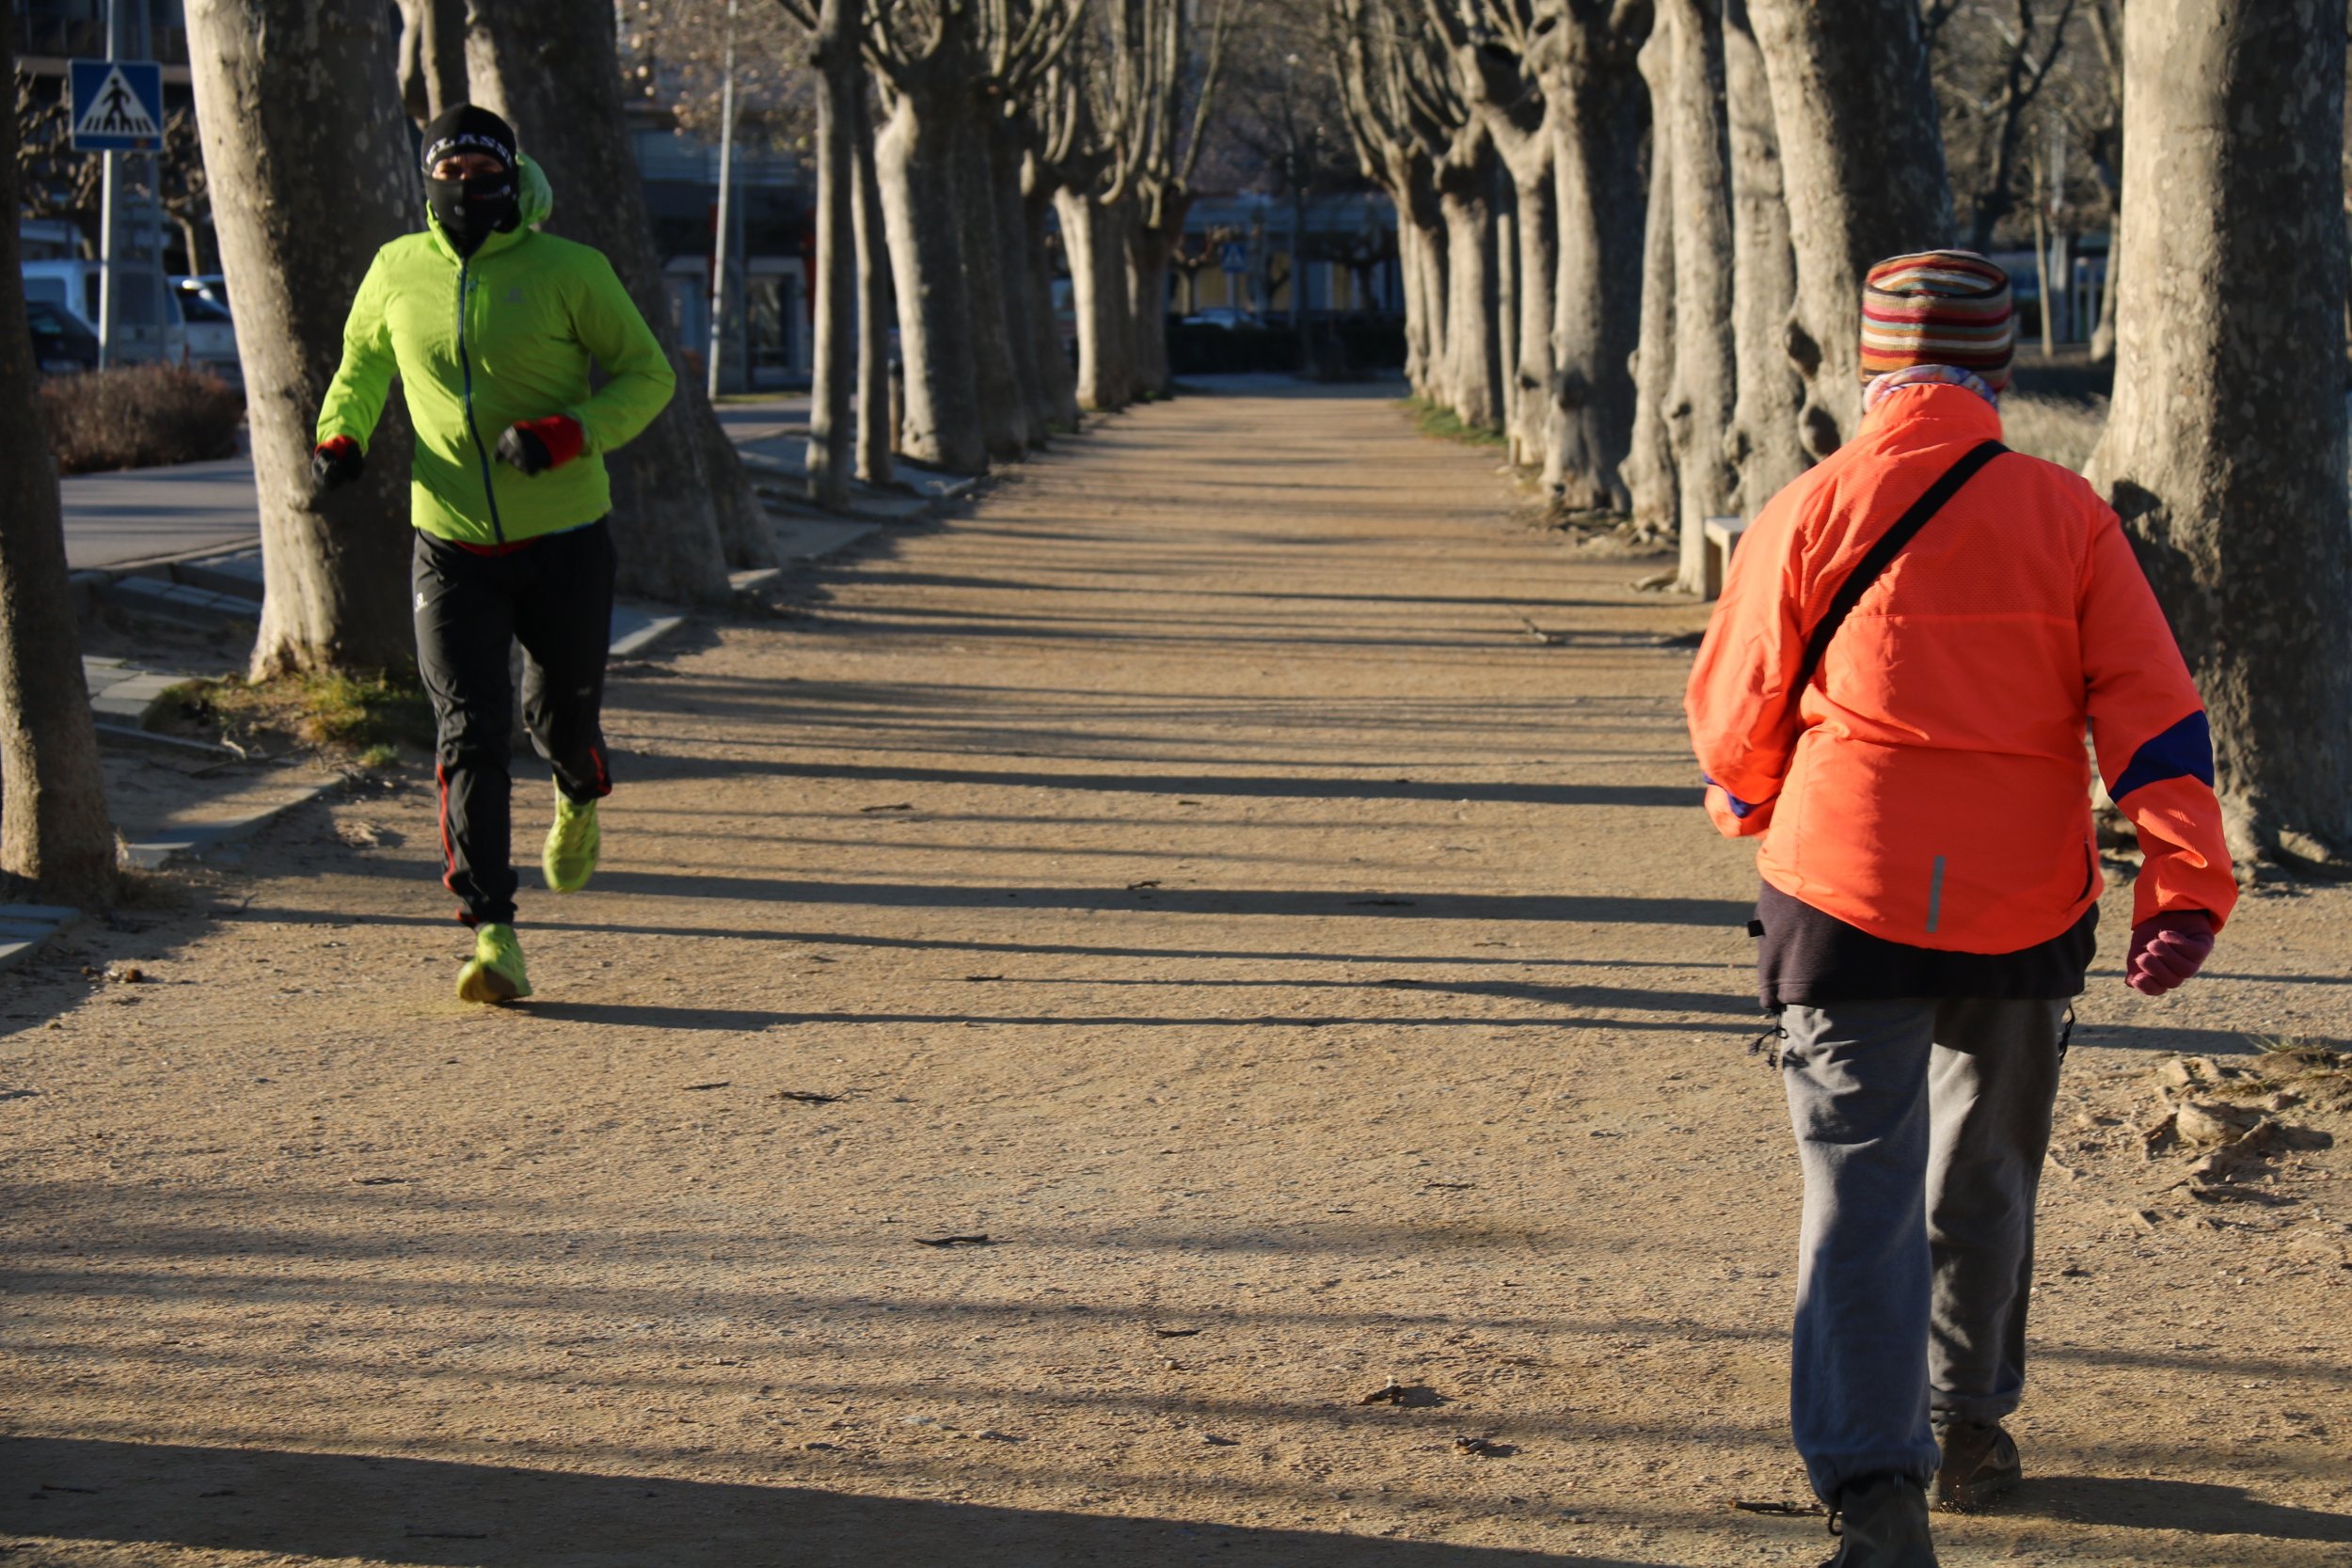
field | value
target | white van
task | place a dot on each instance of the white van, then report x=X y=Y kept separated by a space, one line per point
x=212 y=334
x=148 y=327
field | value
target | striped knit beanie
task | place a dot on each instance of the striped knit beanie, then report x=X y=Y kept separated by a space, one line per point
x=1938 y=307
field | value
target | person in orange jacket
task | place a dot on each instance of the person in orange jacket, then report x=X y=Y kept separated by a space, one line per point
x=1892 y=695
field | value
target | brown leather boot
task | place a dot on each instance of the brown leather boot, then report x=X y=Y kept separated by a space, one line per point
x=1980 y=1463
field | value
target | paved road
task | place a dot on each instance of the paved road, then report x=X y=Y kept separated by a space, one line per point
x=117 y=519
x=148 y=513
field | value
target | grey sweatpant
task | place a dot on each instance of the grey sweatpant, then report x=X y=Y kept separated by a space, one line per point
x=1921 y=1126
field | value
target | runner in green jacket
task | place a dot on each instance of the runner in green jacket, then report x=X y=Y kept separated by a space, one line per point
x=492 y=328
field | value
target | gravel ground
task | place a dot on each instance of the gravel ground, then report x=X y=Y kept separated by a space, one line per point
x=1188 y=873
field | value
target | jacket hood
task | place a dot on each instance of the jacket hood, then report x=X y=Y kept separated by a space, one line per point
x=535 y=197
x=1964 y=412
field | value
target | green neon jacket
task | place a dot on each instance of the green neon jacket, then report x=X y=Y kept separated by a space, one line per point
x=481 y=343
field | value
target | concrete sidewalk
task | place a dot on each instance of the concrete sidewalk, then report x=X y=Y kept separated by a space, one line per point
x=117 y=521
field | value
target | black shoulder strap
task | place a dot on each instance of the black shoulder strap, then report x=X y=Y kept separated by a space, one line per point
x=1890 y=545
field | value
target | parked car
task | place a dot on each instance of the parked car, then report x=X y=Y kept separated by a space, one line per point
x=148 y=327
x=61 y=345
x=1224 y=316
x=212 y=332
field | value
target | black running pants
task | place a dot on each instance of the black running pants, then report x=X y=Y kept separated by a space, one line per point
x=554 y=596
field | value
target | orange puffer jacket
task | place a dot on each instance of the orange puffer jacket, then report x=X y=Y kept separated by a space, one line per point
x=1930 y=784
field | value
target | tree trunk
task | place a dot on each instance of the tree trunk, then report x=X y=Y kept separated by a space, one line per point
x=1024 y=253
x=1507 y=308
x=1765 y=446
x=53 y=831
x=1148 y=250
x=1650 y=465
x=682 y=504
x=2103 y=335
x=841 y=78
x=876 y=311
x=1413 y=261
x=1702 y=389
x=432 y=58
x=1599 y=122
x=313 y=175
x=1473 y=342
x=1093 y=237
x=1861 y=158
x=1538 y=277
x=1437 y=298
x=2225 y=448
x=1005 y=405
x=1059 y=375
x=916 y=163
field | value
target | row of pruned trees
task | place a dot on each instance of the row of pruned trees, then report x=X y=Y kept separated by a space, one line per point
x=1633 y=235
x=1630 y=245
x=987 y=136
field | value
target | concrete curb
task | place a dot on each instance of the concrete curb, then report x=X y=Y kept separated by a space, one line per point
x=153 y=854
x=25 y=926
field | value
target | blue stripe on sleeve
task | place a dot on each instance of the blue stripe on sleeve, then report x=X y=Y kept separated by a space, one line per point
x=1739 y=808
x=2183 y=751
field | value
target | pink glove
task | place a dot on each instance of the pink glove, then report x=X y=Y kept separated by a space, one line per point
x=2168 y=950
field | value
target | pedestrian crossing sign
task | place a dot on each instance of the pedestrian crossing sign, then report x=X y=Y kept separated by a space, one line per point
x=117 y=106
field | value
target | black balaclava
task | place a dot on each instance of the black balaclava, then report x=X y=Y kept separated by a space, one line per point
x=470 y=210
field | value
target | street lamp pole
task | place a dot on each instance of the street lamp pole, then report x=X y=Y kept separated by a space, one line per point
x=726 y=190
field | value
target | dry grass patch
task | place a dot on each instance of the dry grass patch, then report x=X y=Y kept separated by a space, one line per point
x=367 y=717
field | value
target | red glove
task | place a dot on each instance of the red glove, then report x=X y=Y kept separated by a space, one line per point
x=336 y=461
x=534 y=446
x=2168 y=950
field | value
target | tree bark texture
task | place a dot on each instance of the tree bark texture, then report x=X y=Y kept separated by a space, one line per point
x=1466 y=193
x=682 y=505
x=1093 y=236
x=1519 y=116
x=2225 y=448
x=1600 y=121
x=1005 y=405
x=1059 y=376
x=841 y=78
x=313 y=175
x=432 y=58
x=1414 y=261
x=915 y=159
x=1862 y=158
x=1158 y=228
x=1533 y=381
x=1649 y=465
x=1022 y=253
x=1690 y=120
x=1765 y=446
x=53 y=831
x=877 y=427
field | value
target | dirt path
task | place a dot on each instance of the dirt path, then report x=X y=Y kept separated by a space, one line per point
x=1188 y=871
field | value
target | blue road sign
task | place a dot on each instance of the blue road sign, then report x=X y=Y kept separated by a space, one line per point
x=1234 y=257
x=118 y=106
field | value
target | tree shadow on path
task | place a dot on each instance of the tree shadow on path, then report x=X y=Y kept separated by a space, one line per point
x=2155 y=1503
x=462 y=1515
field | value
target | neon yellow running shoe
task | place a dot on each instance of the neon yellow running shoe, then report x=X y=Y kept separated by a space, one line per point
x=573 y=840
x=495 y=972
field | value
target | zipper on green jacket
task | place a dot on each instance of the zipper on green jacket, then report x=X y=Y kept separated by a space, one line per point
x=465 y=366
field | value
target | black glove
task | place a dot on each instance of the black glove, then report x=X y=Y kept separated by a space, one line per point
x=520 y=448
x=335 y=463
x=534 y=446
